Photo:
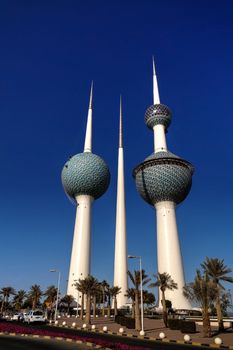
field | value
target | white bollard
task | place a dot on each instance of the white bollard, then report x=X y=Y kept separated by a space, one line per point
x=218 y=341
x=187 y=338
x=162 y=335
x=93 y=327
x=121 y=330
x=105 y=328
x=73 y=324
x=142 y=333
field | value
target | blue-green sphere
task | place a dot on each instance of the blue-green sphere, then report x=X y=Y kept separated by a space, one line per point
x=158 y=114
x=85 y=174
x=163 y=176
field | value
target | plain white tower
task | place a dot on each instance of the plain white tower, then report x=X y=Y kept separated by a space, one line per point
x=120 y=262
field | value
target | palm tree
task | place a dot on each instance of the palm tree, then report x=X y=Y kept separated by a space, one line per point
x=34 y=295
x=50 y=301
x=80 y=286
x=114 y=291
x=6 y=293
x=217 y=271
x=130 y=293
x=68 y=299
x=19 y=299
x=164 y=282
x=203 y=291
x=104 y=286
x=148 y=298
x=89 y=286
x=136 y=280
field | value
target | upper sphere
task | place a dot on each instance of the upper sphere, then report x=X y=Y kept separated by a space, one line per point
x=158 y=114
x=163 y=176
x=85 y=174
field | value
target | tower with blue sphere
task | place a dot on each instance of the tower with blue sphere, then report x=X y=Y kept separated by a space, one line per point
x=164 y=180
x=85 y=177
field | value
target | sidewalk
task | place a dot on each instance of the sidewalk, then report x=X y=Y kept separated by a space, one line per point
x=152 y=329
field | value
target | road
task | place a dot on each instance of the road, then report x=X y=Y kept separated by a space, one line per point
x=19 y=343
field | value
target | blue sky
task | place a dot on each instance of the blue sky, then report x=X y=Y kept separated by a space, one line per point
x=50 y=52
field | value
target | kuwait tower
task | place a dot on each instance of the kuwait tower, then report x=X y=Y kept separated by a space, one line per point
x=164 y=180
x=120 y=263
x=85 y=177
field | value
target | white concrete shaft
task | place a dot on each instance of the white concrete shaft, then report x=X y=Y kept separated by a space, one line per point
x=120 y=263
x=88 y=137
x=160 y=144
x=80 y=256
x=169 y=253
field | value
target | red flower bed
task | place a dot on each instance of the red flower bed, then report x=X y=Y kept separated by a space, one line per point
x=13 y=328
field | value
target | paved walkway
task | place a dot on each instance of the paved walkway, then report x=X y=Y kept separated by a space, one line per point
x=152 y=329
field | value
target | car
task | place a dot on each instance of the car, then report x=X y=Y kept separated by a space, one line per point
x=35 y=316
x=15 y=317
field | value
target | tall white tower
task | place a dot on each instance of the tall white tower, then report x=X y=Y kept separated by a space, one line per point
x=120 y=263
x=85 y=177
x=164 y=180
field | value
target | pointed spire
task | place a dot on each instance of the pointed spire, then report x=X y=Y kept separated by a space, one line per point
x=156 y=99
x=91 y=96
x=120 y=126
x=88 y=138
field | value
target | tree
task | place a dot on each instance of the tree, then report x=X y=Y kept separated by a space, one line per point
x=19 y=299
x=164 y=281
x=34 y=295
x=217 y=271
x=148 y=298
x=136 y=280
x=68 y=299
x=203 y=291
x=6 y=293
x=89 y=286
x=50 y=301
x=104 y=286
x=114 y=291
x=130 y=293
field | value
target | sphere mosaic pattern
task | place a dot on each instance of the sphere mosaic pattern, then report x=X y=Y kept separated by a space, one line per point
x=163 y=176
x=158 y=114
x=86 y=174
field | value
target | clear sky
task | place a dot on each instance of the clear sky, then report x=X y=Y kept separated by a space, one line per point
x=50 y=52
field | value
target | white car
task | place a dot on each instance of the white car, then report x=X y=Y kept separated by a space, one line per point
x=35 y=316
x=15 y=317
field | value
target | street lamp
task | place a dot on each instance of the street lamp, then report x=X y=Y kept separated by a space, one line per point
x=58 y=288
x=140 y=267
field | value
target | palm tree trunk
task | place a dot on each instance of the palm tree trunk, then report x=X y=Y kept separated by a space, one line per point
x=103 y=303
x=115 y=306
x=206 y=323
x=219 y=311
x=137 y=312
x=94 y=306
x=164 y=309
x=133 y=309
x=88 y=309
x=82 y=306
x=2 y=306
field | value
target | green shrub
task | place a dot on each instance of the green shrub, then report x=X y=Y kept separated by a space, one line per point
x=174 y=324
x=188 y=327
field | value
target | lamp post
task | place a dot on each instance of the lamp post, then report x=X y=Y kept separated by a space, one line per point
x=140 y=267
x=58 y=288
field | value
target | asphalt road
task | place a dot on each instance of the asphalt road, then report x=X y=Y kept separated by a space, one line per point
x=121 y=339
x=19 y=343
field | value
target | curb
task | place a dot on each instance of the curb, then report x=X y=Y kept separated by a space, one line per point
x=165 y=340
x=47 y=337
